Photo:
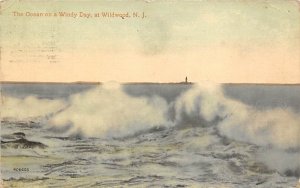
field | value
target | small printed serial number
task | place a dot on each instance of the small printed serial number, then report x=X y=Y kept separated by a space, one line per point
x=21 y=169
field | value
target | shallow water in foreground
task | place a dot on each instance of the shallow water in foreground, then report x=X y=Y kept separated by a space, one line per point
x=190 y=157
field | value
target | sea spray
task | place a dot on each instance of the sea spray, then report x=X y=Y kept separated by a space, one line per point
x=28 y=108
x=277 y=129
x=107 y=111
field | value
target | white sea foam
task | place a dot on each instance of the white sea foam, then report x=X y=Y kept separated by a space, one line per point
x=108 y=111
x=278 y=127
x=28 y=108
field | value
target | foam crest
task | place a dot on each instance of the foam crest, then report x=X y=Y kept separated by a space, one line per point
x=108 y=111
x=28 y=108
x=278 y=127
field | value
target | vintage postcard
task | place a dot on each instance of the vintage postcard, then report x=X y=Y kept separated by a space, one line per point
x=150 y=93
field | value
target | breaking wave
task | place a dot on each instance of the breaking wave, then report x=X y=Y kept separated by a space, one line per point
x=30 y=107
x=277 y=130
x=277 y=127
x=108 y=111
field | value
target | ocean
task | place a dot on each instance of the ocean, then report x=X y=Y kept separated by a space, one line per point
x=150 y=135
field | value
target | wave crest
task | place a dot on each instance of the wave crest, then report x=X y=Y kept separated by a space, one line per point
x=108 y=111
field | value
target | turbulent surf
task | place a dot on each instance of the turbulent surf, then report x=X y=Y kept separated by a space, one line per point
x=150 y=135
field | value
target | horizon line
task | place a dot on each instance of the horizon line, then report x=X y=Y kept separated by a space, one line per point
x=183 y=83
